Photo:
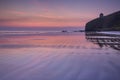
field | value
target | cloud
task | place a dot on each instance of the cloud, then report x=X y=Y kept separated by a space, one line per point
x=38 y=18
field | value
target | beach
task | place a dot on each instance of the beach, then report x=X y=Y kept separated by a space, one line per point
x=59 y=56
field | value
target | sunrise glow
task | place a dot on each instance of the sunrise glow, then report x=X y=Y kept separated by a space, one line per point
x=52 y=12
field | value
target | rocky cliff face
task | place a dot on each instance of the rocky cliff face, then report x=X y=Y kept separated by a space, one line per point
x=106 y=23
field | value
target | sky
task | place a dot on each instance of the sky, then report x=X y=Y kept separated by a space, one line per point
x=60 y=13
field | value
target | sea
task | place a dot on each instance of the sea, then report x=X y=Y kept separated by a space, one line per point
x=72 y=54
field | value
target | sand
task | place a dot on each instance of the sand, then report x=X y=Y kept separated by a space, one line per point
x=69 y=57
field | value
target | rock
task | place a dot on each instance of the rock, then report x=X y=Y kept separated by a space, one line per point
x=105 y=23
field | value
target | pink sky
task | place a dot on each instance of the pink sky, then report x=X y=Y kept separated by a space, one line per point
x=52 y=12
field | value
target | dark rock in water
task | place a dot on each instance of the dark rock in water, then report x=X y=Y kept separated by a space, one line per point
x=104 y=40
x=105 y=23
x=64 y=30
x=79 y=31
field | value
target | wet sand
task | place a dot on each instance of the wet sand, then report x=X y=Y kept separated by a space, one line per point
x=67 y=56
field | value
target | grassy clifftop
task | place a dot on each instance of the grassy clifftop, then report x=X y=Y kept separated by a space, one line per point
x=106 y=23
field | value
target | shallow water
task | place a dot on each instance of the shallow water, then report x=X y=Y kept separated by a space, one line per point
x=59 y=56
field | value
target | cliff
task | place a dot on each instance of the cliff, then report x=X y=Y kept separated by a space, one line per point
x=105 y=23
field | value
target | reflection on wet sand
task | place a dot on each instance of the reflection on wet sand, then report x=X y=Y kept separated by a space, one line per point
x=67 y=56
x=104 y=40
x=66 y=40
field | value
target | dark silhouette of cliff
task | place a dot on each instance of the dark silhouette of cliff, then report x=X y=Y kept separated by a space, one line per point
x=105 y=23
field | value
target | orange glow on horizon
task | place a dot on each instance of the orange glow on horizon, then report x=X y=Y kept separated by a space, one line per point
x=38 y=24
x=26 y=19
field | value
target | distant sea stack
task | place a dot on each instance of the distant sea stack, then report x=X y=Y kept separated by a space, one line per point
x=105 y=23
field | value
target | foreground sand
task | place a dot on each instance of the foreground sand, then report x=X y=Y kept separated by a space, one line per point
x=66 y=59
